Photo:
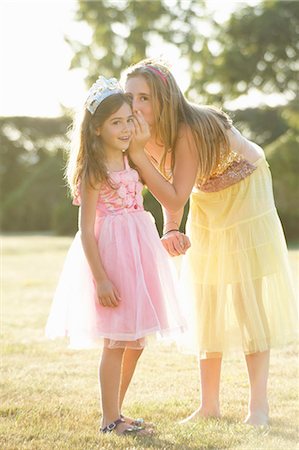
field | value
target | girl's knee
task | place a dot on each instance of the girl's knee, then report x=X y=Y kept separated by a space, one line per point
x=112 y=352
x=134 y=353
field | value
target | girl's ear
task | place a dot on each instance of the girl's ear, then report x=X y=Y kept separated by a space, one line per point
x=98 y=131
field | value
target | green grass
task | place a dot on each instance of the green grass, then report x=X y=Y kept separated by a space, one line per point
x=49 y=394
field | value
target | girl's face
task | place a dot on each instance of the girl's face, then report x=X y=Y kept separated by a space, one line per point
x=116 y=131
x=138 y=88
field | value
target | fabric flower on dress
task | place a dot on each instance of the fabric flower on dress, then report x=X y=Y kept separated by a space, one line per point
x=131 y=187
x=129 y=201
x=122 y=191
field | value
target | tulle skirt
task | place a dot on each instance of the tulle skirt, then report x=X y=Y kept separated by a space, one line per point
x=139 y=267
x=236 y=277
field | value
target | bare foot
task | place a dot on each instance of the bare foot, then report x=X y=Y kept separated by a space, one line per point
x=200 y=413
x=257 y=419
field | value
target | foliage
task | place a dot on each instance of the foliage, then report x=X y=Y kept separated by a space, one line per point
x=261 y=125
x=122 y=31
x=32 y=185
x=64 y=218
x=283 y=156
x=257 y=48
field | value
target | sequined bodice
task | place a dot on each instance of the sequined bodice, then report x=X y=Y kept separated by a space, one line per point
x=231 y=169
x=124 y=194
x=226 y=160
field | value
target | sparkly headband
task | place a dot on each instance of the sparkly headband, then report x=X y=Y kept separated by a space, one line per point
x=100 y=90
x=158 y=72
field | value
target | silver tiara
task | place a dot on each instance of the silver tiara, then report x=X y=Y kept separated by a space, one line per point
x=100 y=90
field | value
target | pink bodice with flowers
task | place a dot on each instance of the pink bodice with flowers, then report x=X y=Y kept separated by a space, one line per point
x=122 y=195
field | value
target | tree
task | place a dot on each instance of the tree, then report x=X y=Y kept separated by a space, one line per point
x=33 y=192
x=257 y=48
x=124 y=30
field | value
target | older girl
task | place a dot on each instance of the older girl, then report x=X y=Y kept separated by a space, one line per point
x=236 y=273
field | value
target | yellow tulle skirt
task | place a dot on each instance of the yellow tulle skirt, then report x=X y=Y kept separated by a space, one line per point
x=236 y=280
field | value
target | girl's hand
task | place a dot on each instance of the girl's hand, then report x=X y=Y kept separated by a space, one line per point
x=141 y=134
x=176 y=243
x=107 y=294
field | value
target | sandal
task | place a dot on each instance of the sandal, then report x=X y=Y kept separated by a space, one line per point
x=131 y=429
x=111 y=426
x=138 y=422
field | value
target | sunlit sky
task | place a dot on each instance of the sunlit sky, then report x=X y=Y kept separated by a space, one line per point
x=35 y=58
x=35 y=79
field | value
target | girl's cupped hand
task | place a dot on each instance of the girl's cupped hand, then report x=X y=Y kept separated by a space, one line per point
x=141 y=134
x=107 y=293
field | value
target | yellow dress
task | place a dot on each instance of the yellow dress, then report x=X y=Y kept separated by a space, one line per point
x=236 y=275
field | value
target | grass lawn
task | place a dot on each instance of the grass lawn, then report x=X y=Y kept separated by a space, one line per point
x=49 y=394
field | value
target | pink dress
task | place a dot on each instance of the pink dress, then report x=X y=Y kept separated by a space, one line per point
x=136 y=263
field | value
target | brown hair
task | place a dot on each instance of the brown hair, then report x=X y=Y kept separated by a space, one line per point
x=87 y=159
x=171 y=109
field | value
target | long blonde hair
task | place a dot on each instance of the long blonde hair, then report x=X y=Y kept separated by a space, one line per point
x=207 y=123
x=87 y=159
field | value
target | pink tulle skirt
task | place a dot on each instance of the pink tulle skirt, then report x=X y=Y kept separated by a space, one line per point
x=139 y=267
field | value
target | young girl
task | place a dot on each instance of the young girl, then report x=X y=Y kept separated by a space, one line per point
x=236 y=273
x=116 y=282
